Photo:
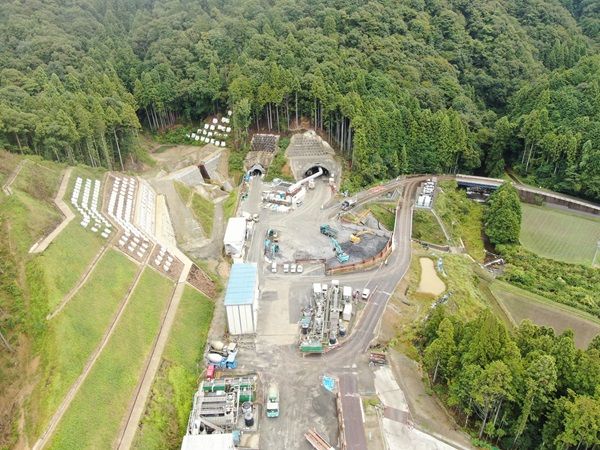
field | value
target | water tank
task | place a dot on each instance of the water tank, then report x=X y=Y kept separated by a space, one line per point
x=342 y=331
x=249 y=419
x=214 y=358
x=246 y=406
x=332 y=339
x=217 y=345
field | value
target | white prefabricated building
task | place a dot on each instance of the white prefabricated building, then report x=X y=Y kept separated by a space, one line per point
x=208 y=441
x=241 y=299
x=235 y=236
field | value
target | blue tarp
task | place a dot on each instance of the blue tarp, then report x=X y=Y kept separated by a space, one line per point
x=241 y=287
x=329 y=383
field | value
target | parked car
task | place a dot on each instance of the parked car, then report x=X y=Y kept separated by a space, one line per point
x=299 y=268
x=274 y=267
x=286 y=268
x=366 y=293
x=293 y=268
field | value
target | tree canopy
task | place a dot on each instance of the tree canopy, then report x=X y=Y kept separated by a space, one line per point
x=503 y=216
x=528 y=389
x=436 y=86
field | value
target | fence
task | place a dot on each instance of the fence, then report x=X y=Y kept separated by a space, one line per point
x=364 y=264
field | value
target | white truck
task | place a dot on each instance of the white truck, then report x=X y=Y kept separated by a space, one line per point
x=273 y=401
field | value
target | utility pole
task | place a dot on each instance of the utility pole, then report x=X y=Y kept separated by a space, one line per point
x=596 y=254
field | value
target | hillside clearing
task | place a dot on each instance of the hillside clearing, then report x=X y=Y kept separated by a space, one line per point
x=202 y=208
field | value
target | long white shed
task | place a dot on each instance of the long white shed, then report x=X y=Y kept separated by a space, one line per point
x=235 y=236
x=241 y=299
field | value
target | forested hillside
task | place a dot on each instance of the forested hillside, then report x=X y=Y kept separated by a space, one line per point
x=416 y=86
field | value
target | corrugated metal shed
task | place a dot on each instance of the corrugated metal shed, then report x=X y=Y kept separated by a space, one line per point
x=241 y=299
x=241 y=287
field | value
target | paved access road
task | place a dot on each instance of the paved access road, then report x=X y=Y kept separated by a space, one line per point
x=298 y=376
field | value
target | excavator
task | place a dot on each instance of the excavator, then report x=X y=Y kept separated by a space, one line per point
x=355 y=237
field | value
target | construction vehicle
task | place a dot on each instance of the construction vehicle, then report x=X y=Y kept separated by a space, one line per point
x=273 y=401
x=349 y=203
x=328 y=231
x=273 y=235
x=355 y=237
x=341 y=255
x=271 y=248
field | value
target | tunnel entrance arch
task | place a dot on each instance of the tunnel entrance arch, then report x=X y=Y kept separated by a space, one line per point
x=313 y=169
x=257 y=170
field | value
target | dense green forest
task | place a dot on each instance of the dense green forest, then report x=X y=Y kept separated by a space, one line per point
x=416 y=86
x=529 y=389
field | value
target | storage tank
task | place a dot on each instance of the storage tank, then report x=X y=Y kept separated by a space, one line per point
x=215 y=358
x=342 y=330
x=217 y=345
x=347 y=314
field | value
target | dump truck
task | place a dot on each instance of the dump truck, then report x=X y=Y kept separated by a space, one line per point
x=328 y=231
x=273 y=401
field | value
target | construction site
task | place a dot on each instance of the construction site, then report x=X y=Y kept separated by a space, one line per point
x=311 y=274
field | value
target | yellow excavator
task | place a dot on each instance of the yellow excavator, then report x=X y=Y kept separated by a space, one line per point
x=355 y=237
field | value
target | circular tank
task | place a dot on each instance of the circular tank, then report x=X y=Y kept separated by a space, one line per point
x=217 y=345
x=248 y=419
x=342 y=331
x=332 y=339
x=246 y=406
x=214 y=357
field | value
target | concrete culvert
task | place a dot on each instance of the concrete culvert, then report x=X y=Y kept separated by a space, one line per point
x=314 y=169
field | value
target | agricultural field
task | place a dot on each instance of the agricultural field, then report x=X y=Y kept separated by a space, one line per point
x=96 y=413
x=168 y=409
x=559 y=234
x=77 y=330
x=426 y=227
x=520 y=305
x=66 y=259
x=202 y=208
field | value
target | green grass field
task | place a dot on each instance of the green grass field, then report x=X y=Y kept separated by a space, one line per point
x=97 y=411
x=203 y=209
x=426 y=227
x=559 y=234
x=463 y=218
x=30 y=219
x=229 y=204
x=167 y=412
x=38 y=178
x=78 y=330
x=66 y=259
x=520 y=304
x=385 y=214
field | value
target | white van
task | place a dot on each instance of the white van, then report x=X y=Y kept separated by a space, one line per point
x=274 y=267
x=286 y=268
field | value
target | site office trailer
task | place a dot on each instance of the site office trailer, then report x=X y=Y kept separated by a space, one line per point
x=241 y=299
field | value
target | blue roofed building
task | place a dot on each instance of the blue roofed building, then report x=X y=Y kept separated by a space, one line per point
x=241 y=299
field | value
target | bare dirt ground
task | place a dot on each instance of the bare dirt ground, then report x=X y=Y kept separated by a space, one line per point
x=430 y=282
x=180 y=156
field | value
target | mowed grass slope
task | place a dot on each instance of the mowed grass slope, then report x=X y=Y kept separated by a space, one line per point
x=96 y=414
x=202 y=208
x=167 y=412
x=78 y=330
x=558 y=234
x=66 y=259
x=521 y=305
